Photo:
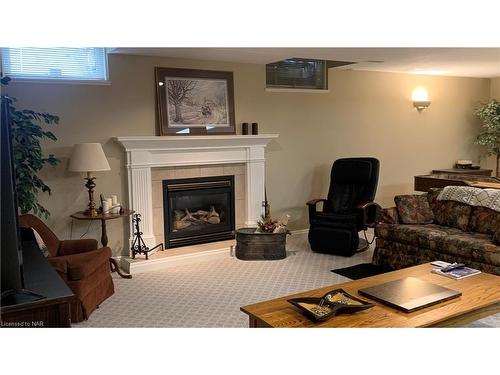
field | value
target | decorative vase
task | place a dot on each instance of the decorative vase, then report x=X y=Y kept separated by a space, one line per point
x=244 y=128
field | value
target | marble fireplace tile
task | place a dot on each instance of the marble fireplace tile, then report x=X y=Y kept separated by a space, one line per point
x=234 y=169
x=211 y=171
x=239 y=186
x=158 y=221
x=157 y=189
x=159 y=174
x=187 y=172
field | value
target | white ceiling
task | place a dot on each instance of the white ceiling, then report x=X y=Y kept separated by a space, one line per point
x=459 y=62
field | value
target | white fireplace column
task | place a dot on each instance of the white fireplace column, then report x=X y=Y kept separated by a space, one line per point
x=140 y=195
x=146 y=152
x=255 y=177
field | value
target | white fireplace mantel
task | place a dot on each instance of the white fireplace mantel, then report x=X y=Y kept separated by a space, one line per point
x=146 y=152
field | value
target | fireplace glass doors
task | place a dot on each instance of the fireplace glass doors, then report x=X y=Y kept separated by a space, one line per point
x=198 y=210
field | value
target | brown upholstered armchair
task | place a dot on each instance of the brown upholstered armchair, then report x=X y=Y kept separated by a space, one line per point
x=84 y=267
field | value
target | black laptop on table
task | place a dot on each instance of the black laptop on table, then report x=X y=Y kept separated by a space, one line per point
x=409 y=294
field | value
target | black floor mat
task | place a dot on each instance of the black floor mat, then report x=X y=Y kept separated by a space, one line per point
x=362 y=270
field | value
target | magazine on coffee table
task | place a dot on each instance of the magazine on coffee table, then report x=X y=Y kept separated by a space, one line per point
x=457 y=273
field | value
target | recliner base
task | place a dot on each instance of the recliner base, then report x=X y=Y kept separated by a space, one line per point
x=335 y=241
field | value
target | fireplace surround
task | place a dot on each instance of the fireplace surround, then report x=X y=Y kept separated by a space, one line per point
x=198 y=210
x=145 y=153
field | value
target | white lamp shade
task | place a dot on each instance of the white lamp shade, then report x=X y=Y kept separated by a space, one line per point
x=88 y=157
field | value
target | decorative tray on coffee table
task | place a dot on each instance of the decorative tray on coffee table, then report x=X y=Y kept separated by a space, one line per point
x=336 y=301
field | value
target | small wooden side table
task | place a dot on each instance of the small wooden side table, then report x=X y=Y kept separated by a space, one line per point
x=80 y=215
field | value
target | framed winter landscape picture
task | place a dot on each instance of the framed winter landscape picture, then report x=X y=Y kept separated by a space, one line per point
x=194 y=102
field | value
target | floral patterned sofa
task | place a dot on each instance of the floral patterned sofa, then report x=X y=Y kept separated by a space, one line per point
x=452 y=232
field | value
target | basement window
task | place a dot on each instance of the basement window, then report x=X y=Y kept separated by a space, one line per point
x=300 y=74
x=297 y=73
x=75 y=65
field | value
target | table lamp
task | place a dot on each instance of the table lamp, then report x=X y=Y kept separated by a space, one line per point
x=88 y=158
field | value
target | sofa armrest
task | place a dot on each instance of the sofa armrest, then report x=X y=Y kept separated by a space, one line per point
x=389 y=216
x=69 y=247
x=370 y=212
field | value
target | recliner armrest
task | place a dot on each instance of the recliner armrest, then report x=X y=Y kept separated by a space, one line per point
x=314 y=202
x=370 y=212
x=69 y=247
x=312 y=207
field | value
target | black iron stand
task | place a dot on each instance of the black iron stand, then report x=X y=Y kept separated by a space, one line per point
x=139 y=246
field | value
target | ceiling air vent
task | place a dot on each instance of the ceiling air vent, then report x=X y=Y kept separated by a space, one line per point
x=299 y=73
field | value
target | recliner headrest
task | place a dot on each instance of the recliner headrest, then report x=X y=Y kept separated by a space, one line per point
x=352 y=171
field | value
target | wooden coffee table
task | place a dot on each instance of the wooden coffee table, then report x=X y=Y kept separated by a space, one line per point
x=480 y=298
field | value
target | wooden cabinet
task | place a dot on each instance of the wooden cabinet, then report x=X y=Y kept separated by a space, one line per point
x=440 y=178
x=475 y=172
x=53 y=310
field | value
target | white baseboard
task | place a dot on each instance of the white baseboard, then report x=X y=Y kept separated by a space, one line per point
x=300 y=231
x=135 y=266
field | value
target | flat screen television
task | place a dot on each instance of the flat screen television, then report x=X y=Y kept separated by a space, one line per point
x=11 y=255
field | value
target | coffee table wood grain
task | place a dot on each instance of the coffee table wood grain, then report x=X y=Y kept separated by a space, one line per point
x=480 y=298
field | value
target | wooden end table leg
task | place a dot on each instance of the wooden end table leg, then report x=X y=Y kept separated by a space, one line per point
x=116 y=268
x=104 y=233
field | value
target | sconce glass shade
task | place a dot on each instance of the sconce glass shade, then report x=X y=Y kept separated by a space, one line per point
x=420 y=98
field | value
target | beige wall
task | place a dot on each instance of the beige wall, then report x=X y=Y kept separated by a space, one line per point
x=365 y=113
x=495 y=88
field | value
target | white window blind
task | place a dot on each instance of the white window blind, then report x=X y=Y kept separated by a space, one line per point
x=80 y=64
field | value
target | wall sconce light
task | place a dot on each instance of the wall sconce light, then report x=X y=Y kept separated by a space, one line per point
x=420 y=99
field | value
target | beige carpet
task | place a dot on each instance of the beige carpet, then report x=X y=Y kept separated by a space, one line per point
x=209 y=293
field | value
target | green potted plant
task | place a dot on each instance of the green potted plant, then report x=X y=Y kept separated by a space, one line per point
x=27 y=132
x=489 y=135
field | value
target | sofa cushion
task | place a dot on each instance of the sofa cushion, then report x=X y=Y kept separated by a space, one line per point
x=477 y=247
x=414 y=209
x=496 y=237
x=398 y=255
x=484 y=220
x=424 y=236
x=449 y=213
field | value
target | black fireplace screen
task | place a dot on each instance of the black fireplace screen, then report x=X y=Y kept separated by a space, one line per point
x=198 y=210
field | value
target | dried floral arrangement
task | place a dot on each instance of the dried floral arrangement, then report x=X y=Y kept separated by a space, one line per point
x=268 y=225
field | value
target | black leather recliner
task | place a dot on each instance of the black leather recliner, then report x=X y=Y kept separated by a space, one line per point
x=348 y=209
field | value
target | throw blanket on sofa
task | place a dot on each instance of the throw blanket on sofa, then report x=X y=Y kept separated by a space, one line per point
x=489 y=198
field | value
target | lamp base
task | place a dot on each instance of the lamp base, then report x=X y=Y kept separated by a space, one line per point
x=92 y=212
x=90 y=185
